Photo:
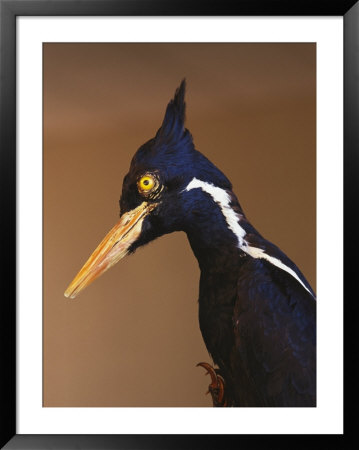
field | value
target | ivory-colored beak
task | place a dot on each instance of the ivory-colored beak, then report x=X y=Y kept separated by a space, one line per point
x=112 y=248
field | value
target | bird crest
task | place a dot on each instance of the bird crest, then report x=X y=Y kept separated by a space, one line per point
x=172 y=130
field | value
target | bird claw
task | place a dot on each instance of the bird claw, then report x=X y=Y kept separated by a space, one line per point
x=217 y=386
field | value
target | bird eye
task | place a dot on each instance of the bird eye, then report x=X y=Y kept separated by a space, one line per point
x=146 y=183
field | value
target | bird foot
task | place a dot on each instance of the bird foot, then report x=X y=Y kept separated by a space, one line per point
x=217 y=386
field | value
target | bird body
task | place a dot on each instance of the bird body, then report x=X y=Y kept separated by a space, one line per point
x=257 y=318
x=257 y=312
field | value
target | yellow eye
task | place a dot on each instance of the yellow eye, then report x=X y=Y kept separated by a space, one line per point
x=146 y=183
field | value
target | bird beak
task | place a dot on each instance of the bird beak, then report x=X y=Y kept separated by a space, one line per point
x=112 y=248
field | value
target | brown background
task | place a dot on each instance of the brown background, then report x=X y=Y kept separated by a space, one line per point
x=132 y=338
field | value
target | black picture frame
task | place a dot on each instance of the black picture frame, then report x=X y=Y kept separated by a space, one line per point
x=9 y=10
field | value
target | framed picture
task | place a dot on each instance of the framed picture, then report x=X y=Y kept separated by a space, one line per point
x=92 y=83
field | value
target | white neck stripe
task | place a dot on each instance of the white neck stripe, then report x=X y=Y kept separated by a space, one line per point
x=259 y=253
x=221 y=197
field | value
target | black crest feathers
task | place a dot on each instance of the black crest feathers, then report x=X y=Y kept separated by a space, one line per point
x=172 y=128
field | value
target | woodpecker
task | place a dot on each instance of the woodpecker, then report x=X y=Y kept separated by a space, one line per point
x=257 y=312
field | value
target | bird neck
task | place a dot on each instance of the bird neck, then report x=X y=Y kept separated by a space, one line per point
x=222 y=239
x=216 y=254
x=213 y=229
x=214 y=244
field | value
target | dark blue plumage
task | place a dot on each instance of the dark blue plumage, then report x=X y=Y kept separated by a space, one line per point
x=257 y=313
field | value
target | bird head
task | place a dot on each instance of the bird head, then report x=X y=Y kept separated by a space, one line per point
x=158 y=195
